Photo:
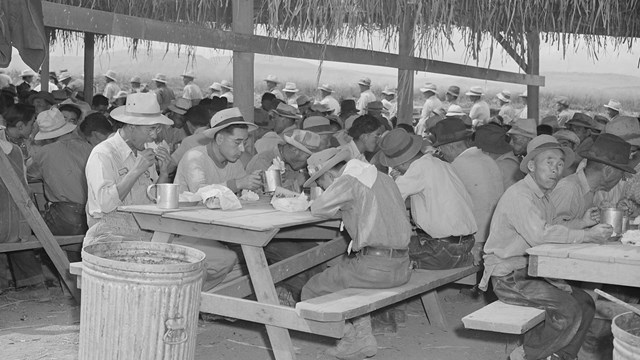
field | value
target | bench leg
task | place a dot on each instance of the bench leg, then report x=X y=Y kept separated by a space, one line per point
x=161 y=237
x=431 y=304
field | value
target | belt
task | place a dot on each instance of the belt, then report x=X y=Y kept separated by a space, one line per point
x=385 y=252
x=454 y=239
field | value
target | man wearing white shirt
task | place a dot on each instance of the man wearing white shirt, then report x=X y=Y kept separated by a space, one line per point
x=111 y=89
x=366 y=95
x=431 y=105
x=326 y=95
x=272 y=86
x=191 y=91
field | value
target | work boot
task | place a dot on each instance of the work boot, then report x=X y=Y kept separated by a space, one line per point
x=362 y=345
x=383 y=322
x=345 y=343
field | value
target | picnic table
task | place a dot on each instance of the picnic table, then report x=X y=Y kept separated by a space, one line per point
x=610 y=263
x=252 y=227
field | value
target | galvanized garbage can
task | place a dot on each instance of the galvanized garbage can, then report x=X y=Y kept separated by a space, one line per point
x=140 y=300
x=626 y=336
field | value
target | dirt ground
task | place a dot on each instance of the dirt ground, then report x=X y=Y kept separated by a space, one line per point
x=31 y=330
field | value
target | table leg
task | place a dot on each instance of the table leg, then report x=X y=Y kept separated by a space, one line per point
x=265 y=292
x=161 y=237
x=433 y=309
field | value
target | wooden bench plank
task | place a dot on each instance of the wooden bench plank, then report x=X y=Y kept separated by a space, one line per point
x=34 y=243
x=504 y=318
x=349 y=303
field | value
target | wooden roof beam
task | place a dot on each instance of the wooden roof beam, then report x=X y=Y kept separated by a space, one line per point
x=511 y=51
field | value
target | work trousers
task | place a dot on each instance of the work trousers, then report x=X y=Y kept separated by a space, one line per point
x=359 y=271
x=440 y=254
x=65 y=218
x=278 y=250
x=567 y=315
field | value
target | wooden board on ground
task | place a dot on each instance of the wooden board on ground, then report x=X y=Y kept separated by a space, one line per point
x=504 y=318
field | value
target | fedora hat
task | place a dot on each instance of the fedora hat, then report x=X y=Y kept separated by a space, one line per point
x=429 y=87
x=135 y=79
x=302 y=100
x=323 y=161
x=450 y=130
x=189 y=74
x=610 y=150
x=226 y=84
x=364 y=81
x=398 y=146
x=27 y=72
x=51 y=124
x=321 y=108
x=290 y=87
x=44 y=95
x=140 y=109
x=453 y=90
x=524 y=127
x=326 y=88
x=307 y=141
x=111 y=75
x=492 y=138
x=375 y=105
x=541 y=143
x=562 y=100
x=287 y=111
x=225 y=118
x=568 y=135
x=475 y=91
x=584 y=120
x=180 y=106
x=613 y=105
x=215 y=86
x=318 y=124
x=60 y=95
x=504 y=95
x=64 y=76
x=455 y=110
x=389 y=90
x=625 y=127
x=272 y=78
x=161 y=78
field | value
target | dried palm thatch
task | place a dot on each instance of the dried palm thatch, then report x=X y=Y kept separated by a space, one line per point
x=561 y=22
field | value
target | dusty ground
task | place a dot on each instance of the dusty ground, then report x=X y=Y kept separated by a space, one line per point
x=31 y=330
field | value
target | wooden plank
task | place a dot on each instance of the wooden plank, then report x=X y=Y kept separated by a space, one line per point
x=405 y=75
x=89 y=51
x=614 y=252
x=155 y=210
x=584 y=270
x=44 y=69
x=266 y=293
x=533 y=69
x=82 y=19
x=522 y=63
x=241 y=287
x=267 y=221
x=349 y=303
x=268 y=314
x=504 y=318
x=34 y=243
x=161 y=237
x=557 y=250
x=242 y=23
x=433 y=309
x=309 y=232
x=30 y=212
x=76 y=269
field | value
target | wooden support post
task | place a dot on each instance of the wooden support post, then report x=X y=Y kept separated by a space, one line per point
x=242 y=22
x=533 y=62
x=511 y=51
x=405 y=76
x=89 y=49
x=44 y=70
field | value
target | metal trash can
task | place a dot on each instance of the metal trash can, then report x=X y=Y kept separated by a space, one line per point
x=626 y=336
x=140 y=300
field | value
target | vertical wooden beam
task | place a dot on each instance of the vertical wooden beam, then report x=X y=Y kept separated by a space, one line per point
x=533 y=68
x=242 y=22
x=89 y=51
x=405 y=76
x=44 y=70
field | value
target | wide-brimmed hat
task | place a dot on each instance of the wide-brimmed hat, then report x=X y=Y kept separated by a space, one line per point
x=290 y=87
x=475 y=91
x=455 y=110
x=180 y=106
x=302 y=100
x=453 y=90
x=610 y=150
x=504 y=95
x=625 y=127
x=111 y=75
x=120 y=95
x=389 y=90
x=568 y=135
x=161 y=78
x=215 y=86
x=364 y=81
x=189 y=74
x=321 y=108
x=613 y=105
x=272 y=78
x=287 y=111
x=44 y=95
x=584 y=120
x=27 y=72
x=226 y=84
x=429 y=87
x=542 y=143
x=524 y=127
x=450 y=130
x=140 y=109
x=135 y=79
x=375 y=105
x=398 y=146
x=318 y=124
x=563 y=100
x=225 y=118
x=51 y=124
x=326 y=88
x=64 y=75
x=323 y=161
x=492 y=138
x=80 y=105
x=307 y=141
x=59 y=95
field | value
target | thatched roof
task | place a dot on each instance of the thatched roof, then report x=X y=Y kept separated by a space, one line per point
x=562 y=22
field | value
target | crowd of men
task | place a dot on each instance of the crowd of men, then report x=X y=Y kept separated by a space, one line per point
x=484 y=185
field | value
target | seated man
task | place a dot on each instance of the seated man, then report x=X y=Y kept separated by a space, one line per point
x=285 y=118
x=95 y=128
x=441 y=207
x=374 y=215
x=523 y=219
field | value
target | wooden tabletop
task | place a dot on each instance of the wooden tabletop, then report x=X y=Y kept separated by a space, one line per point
x=614 y=252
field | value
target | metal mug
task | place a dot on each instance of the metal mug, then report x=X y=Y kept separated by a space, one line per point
x=614 y=217
x=271 y=179
x=167 y=195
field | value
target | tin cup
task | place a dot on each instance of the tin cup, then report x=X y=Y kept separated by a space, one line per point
x=166 y=196
x=271 y=179
x=616 y=218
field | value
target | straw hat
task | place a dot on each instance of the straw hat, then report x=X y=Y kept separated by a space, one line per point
x=226 y=84
x=475 y=91
x=287 y=111
x=307 y=141
x=225 y=118
x=317 y=124
x=524 y=127
x=64 y=76
x=610 y=150
x=180 y=106
x=161 y=78
x=614 y=105
x=110 y=74
x=364 y=81
x=216 y=86
x=541 y=143
x=189 y=74
x=290 y=87
x=625 y=127
x=568 y=135
x=389 y=90
x=272 y=78
x=504 y=95
x=398 y=146
x=450 y=130
x=326 y=88
x=453 y=90
x=429 y=87
x=27 y=72
x=323 y=161
x=51 y=124
x=140 y=109
x=455 y=110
